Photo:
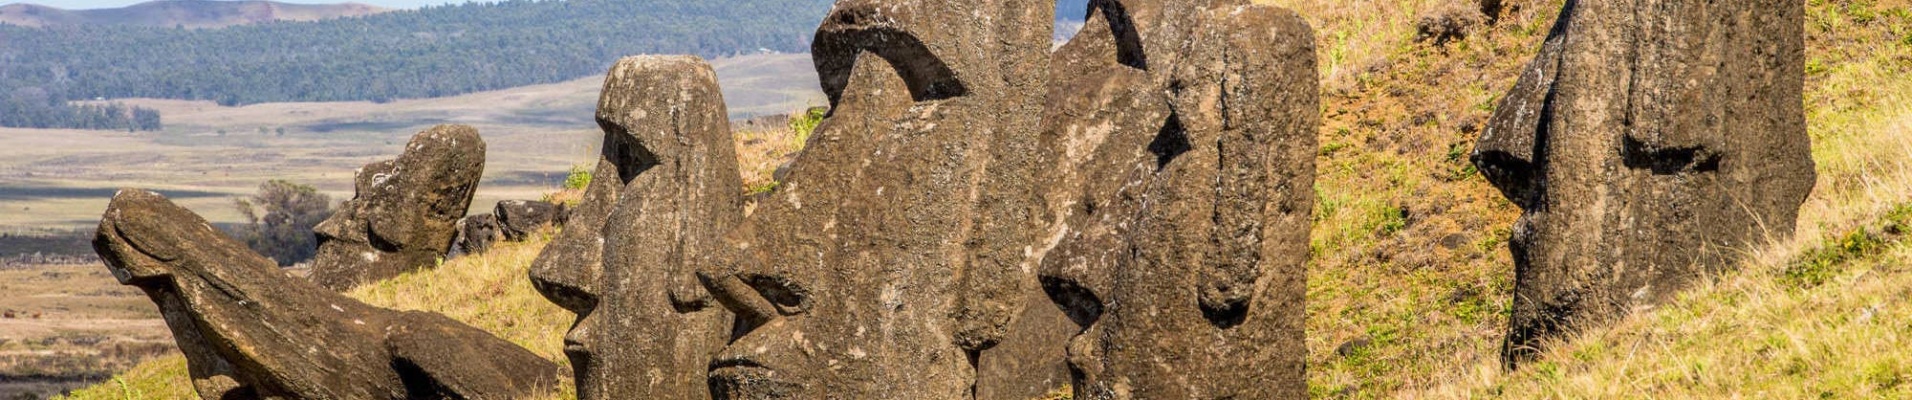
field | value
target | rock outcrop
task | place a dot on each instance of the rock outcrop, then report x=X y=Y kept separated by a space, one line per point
x=896 y=251
x=476 y=233
x=251 y=331
x=518 y=219
x=1189 y=139
x=1650 y=143
x=403 y=214
x=667 y=190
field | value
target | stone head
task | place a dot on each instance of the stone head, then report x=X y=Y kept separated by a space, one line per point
x=403 y=212
x=892 y=255
x=666 y=187
x=1646 y=155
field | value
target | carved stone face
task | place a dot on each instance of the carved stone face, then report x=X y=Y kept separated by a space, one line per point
x=892 y=256
x=1647 y=149
x=404 y=212
x=664 y=191
x=1189 y=134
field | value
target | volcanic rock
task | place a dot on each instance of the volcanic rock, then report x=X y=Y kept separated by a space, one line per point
x=896 y=251
x=1189 y=140
x=667 y=190
x=518 y=219
x=249 y=330
x=403 y=215
x=476 y=233
x=1650 y=143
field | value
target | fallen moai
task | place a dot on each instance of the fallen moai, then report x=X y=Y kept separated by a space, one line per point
x=1650 y=143
x=667 y=189
x=249 y=330
x=1189 y=130
x=404 y=211
x=518 y=219
x=476 y=233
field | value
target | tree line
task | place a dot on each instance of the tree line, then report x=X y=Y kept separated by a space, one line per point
x=429 y=52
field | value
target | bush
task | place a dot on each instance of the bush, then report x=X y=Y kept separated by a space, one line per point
x=804 y=124
x=579 y=178
x=280 y=220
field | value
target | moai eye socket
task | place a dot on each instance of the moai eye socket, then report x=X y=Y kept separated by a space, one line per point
x=624 y=151
x=1128 y=38
x=1638 y=155
x=880 y=30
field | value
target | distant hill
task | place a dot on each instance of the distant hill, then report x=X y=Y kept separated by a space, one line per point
x=182 y=13
x=429 y=52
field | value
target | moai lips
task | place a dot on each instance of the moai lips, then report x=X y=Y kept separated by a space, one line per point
x=896 y=253
x=404 y=213
x=250 y=331
x=666 y=190
x=1188 y=134
x=1650 y=143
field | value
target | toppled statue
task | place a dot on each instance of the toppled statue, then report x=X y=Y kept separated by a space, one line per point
x=895 y=253
x=476 y=234
x=667 y=189
x=518 y=219
x=1189 y=130
x=1650 y=143
x=250 y=331
x=405 y=211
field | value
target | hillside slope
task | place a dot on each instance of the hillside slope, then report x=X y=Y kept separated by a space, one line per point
x=182 y=13
x=1410 y=280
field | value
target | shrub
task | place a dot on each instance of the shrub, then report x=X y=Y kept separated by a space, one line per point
x=280 y=220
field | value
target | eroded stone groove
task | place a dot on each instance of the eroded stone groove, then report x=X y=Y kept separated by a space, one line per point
x=1650 y=143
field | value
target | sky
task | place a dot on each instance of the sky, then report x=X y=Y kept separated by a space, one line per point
x=85 y=4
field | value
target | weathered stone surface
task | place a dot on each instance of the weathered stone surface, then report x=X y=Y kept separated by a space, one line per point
x=250 y=331
x=1649 y=143
x=1189 y=139
x=667 y=190
x=404 y=211
x=897 y=250
x=476 y=233
x=518 y=219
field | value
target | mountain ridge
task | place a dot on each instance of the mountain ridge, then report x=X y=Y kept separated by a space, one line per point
x=182 y=13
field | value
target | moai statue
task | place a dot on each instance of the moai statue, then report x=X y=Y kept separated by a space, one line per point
x=665 y=192
x=1650 y=143
x=1189 y=133
x=405 y=212
x=249 y=330
x=895 y=254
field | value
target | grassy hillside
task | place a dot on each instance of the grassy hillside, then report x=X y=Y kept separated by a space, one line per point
x=1411 y=278
x=1410 y=283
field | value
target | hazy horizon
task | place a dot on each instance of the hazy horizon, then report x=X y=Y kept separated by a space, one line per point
x=91 y=4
